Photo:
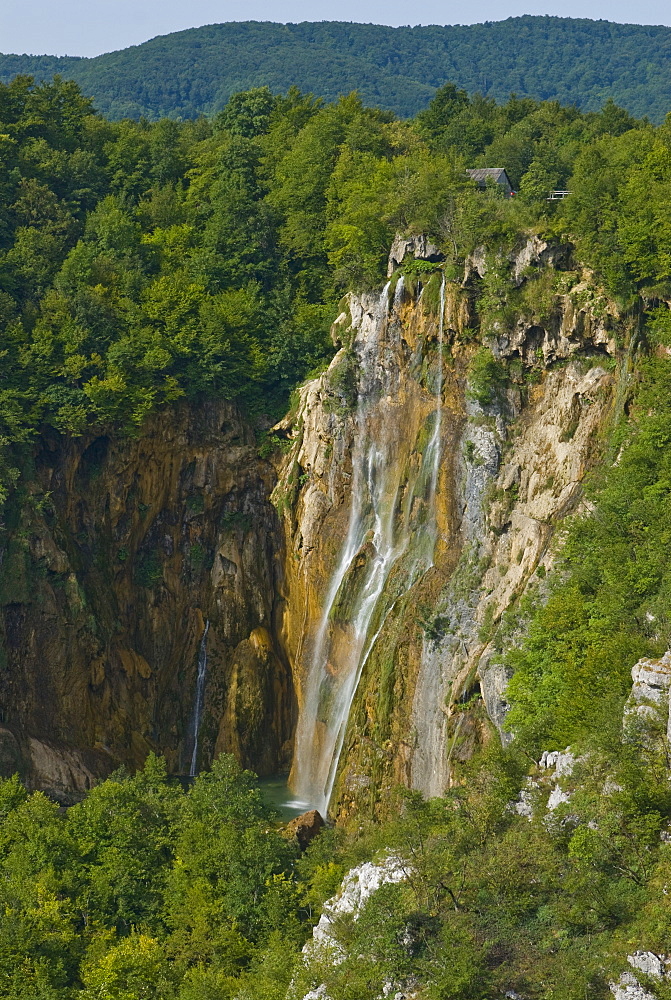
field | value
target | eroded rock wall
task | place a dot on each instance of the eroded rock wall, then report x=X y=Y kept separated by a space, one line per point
x=125 y=548
x=511 y=470
x=121 y=552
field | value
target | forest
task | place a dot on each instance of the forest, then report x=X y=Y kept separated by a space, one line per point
x=145 y=262
x=182 y=75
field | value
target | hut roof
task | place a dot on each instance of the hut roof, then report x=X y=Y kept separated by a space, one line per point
x=483 y=174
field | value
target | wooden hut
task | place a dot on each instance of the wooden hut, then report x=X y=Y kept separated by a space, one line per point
x=494 y=175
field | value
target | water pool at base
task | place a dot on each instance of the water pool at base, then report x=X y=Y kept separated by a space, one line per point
x=277 y=794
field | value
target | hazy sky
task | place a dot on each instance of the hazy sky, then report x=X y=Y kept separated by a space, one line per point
x=89 y=27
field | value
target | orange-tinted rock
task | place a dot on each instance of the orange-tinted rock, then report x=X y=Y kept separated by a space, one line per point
x=305 y=827
x=103 y=607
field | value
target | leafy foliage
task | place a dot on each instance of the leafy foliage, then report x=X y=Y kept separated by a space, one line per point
x=610 y=601
x=145 y=263
x=147 y=890
x=140 y=887
x=486 y=377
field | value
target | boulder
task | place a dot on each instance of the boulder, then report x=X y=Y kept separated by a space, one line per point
x=305 y=827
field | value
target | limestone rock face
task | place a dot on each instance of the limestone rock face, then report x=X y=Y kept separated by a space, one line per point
x=536 y=253
x=553 y=768
x=647 y=962
x=419 y=247
x=126 y=549
x=357 y=887
x=650 y=690
x=511 y=470
x=63 y=774
x=315 y=494
x=539 y=253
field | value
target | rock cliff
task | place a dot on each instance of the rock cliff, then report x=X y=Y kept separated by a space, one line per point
x=512 y=460
x=357 y=580
x=121 y=552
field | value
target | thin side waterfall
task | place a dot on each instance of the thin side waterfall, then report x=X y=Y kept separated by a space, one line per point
x=389 y=542
x=434 y=445
x=429 y=765
x=198 y=703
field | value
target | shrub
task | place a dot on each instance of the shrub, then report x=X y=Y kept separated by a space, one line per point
x=486 y=377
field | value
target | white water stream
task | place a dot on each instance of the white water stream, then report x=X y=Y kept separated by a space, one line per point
x=429 y=719
x=389 y=543
x=198 y=703
x=429 y=766
x=434 y=450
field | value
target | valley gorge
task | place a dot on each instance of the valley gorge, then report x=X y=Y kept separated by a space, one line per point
x=346 y=589
x=335 y=516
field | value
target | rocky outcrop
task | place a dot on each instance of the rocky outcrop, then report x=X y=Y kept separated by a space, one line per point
x=305 y=827
x=511 y=470
x=628 y=986
x=539 y=253
x=123 y=550
x=548 y=786
x=357 y=887
x=649 y=696
x=562 y=763
x=419 y=247
x=536 y=253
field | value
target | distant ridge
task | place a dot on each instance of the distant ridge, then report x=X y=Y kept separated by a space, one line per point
x=195 y=71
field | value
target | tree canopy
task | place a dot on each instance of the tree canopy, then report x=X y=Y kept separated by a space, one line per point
x=144 y=262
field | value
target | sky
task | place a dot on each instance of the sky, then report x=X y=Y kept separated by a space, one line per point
x=89 y=27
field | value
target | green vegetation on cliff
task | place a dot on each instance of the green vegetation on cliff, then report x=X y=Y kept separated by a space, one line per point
x=140 y=263
x=609 y=601
x=572 y=60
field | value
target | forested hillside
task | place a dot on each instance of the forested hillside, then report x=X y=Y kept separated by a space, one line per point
x=575 y=61
x=143 y=264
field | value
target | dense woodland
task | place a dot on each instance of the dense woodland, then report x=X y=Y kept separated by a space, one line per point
x=182 y=75
x=146 y=262
x=141 y=263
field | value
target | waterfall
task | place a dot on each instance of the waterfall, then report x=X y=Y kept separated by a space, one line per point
x=434 y=445
x=428 y=772
x=198 y=703
x=389 y=543
x=429 y=766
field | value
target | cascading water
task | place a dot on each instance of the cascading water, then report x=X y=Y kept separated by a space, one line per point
x=429 y=764
x=389 y=543
x=198 y=703
x=434 y=444
x=428 y=772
